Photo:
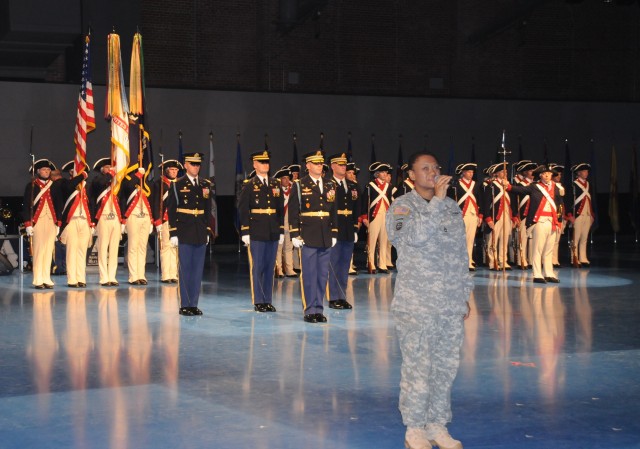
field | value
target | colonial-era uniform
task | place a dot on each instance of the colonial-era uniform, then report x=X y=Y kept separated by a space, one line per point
x=168 y=253
x=542 y=224
x=582 y=213
x=295 y=174
x=262 y=219
x=41 y=223
x=406 y=186
x=557 y=177
x=189 y=208
x=77 y=226
x=520 y=209
x=348 y=210
x=376 y=199
x=108 y=219
x=497 y=210
x=138 y=225
x=313 y=218
x=429 y=302
x=284 y=256
x=468 y=195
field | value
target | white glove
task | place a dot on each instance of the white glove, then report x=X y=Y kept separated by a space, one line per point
x=333 y=241
x=29 y=230
x=297 y=242
x=173 y=241
x=246 y=239
x=159 y=229
x=281 y=239
x=57 y=231
x=355 y=237
x=123 y=228
x=207 y=240
x=150 y=228
x=141 y=170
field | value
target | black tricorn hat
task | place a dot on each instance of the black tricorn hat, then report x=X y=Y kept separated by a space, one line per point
x=43 y=163
x=466 y=166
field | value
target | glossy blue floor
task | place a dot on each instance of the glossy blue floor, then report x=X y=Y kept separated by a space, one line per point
x=552 y=366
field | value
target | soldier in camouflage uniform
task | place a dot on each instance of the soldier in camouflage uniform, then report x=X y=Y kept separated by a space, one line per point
x=430 y=301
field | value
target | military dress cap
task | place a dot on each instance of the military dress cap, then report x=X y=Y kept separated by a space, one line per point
x=338 y=158
x=316 y=156
x=43 y=163
x=466 y=166
x=542 y=169
x=496 y=168
x=516 y=165
x=193 y=158
x=557 y=168
x=284 y=171
x=101 y=163
x=525 y=166
x=261 y=156
x=172 y=163
x=581 y=166
x=379 y=166
x=294 y=168
x=404 y=167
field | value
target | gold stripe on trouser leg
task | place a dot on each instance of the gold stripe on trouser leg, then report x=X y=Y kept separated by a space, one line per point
x=253 y=298
x=304 y=299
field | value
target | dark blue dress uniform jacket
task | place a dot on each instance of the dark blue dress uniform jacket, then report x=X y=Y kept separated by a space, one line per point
x=189 y=208
x=347 y=210
x=266 y=223
x=304 y=201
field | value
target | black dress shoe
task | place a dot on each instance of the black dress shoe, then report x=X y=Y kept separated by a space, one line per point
x=72 y=285
x=371 y=271
x=311 y=318
x=353 y=273
x=391 y=267
x=166 y=281
x=472 y=268
x=81 y=284
x=320 y=318
x=114 y=284
x=552 y=280
x=260 y=307
x=49 y=286
x=583 y=264
x=383 y=271
x=295 y=275
x=173 y=281
x=557 y=265
x=529 y=267
x=39 y=287
x=106 y=284
x=539 y=281
x=195 y=311
x=134 y=282
x=337 y=304
x=345 y=304
x=269 y=308
x=186 y=311
x=142 y=282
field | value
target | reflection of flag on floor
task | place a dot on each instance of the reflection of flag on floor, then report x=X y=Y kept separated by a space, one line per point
x=117 y=110
x=85 y=117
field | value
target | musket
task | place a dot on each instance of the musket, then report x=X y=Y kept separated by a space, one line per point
x=33 y=186
x=493 y=248
x=506 y=216
x=161 y=195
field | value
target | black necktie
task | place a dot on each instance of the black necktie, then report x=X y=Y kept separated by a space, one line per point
x=195 y=182
x=264 y=181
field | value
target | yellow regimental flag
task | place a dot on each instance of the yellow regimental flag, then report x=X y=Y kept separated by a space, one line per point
x=117 y=110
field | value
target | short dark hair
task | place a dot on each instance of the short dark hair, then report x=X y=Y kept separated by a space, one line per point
x=415 y=156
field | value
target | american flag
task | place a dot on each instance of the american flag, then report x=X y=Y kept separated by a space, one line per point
x=85 y=117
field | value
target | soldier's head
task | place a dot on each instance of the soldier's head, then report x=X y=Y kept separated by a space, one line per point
x=557 y=172
x=284 y=175
x=545 y=173
x=381 y=171
x=423 y=169
x=352 y=172
x=43 y=168
x=467 y=170
x=295 y=171
x=581 y=170
x=338 y=165
x=261 y=161
x=192 y=163
x=314 y=162
x=171 y=168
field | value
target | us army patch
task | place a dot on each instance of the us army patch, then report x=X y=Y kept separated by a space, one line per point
x=398 y=225
x=401 y=210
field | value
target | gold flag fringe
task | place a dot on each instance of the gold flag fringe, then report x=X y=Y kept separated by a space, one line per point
x=136 y=79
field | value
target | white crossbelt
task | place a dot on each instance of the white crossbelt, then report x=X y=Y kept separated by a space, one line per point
x=382 y=196
x=585 y=193
x=545 y=192
x=42 y=191
x=102 y=195
x=468 y=193
x=71 y=197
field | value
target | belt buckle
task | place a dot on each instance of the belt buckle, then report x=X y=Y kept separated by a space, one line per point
x=141 y=215
x=111 y=216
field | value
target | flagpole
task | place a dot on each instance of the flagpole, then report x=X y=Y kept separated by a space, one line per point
x=504 y=205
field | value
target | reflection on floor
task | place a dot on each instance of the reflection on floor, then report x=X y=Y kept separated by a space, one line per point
x=553 y=366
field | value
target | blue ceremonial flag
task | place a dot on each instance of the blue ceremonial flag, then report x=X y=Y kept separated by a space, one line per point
x=239 y=180
x=373 y=152
x=180 y=153
x=593 y=180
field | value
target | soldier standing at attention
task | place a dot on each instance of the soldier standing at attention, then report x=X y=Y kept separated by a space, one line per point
x=138 y=225
x=557 y=178
x=189 y=208
x=352 y=175
x=469 y=197
x=430 y=301
x=40 y=221
x=262 y=229
x=520 y=208
x=497 y=216
x=284 y=257
x=108 y=219
x=312 y=217
x=168 y=253
x=582 y=216
x=77 y=227
x=348 y=211
x=375 y=202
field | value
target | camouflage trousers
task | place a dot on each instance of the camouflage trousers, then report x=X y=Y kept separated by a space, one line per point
x=430 y=358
